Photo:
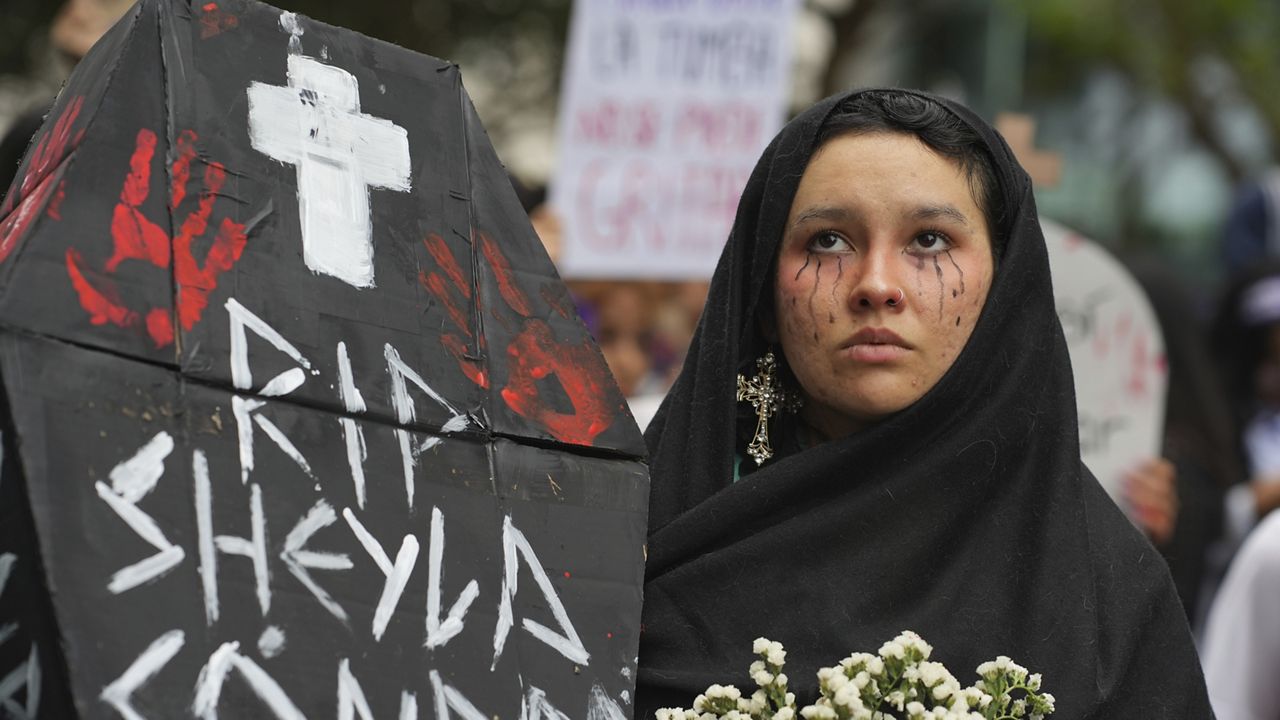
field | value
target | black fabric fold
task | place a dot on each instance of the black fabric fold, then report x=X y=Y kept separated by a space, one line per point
x=968 y=517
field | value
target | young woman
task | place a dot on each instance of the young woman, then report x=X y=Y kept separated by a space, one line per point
x=887 y=255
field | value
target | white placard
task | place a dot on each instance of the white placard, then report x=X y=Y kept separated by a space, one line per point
x=1117 y=356
x=665 y=107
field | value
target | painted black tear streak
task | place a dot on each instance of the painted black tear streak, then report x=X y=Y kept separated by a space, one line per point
x=958 y=270
x=813 y=316
x=807 y=258
x=836 y=285
x=938 y=269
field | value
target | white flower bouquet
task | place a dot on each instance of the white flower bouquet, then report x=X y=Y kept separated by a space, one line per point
x=900 y=683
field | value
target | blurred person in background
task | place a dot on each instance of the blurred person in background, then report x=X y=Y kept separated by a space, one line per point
x=1241 y=648
x=78 y=25
x=620 y=315
x=1184 y=517
x=1246 y=336
x=533 y=198
x=1252 y=231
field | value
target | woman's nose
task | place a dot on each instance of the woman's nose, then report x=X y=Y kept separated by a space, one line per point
x=876 y=286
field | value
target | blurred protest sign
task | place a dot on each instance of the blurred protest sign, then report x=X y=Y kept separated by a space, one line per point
x=665 y=107
x=1117 y=356
x=274 y=329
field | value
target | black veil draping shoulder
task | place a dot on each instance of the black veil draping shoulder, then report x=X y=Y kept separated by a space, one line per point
x=967 y=517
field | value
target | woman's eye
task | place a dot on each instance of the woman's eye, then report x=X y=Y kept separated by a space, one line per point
x=931 y=242
x=828 y=242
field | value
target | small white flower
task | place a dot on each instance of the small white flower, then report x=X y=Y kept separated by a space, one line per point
x=776 y=655
x=760 y=646
x=1033 y=682
x=875 y=665
x=856 y=660
x=700 y=703
x=780 y=680
x=892 y=649
x=818 y=712
x=785 y=713
x=861 y=680
x=909 y=639
x=915 y=709
x=763 y=678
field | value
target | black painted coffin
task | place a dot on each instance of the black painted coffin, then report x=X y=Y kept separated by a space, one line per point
x=299 y=419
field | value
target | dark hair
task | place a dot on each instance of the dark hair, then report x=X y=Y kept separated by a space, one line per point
x=936 y=126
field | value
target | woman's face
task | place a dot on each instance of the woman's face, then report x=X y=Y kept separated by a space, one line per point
x=884 y=267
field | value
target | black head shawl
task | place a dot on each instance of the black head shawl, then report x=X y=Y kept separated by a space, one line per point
x=968 y=517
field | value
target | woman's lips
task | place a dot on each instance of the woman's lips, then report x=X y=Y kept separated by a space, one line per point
x=875 y=345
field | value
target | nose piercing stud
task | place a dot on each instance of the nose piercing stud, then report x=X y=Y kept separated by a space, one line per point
x=891 y=302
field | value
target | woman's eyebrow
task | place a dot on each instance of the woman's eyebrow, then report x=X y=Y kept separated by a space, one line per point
x=823 y=212
x=933 y=212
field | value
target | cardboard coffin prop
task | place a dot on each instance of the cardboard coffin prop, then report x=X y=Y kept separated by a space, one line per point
x=298 y=419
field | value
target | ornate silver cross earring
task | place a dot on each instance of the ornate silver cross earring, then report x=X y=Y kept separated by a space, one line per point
x=767 y=396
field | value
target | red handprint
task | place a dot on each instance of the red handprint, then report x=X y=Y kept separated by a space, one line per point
x=137 y=238
x=468 y=361
x=534 y=354
x=37 y=182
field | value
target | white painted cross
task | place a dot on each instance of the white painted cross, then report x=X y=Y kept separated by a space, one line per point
x=315 y=123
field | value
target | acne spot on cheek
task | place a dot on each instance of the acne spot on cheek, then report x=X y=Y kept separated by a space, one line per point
x=957 y=321
x=831 y=318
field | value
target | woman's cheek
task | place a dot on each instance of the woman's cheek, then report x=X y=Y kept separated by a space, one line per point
x=788 y=302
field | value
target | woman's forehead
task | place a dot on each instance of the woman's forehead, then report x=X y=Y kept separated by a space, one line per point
x=855 y=168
